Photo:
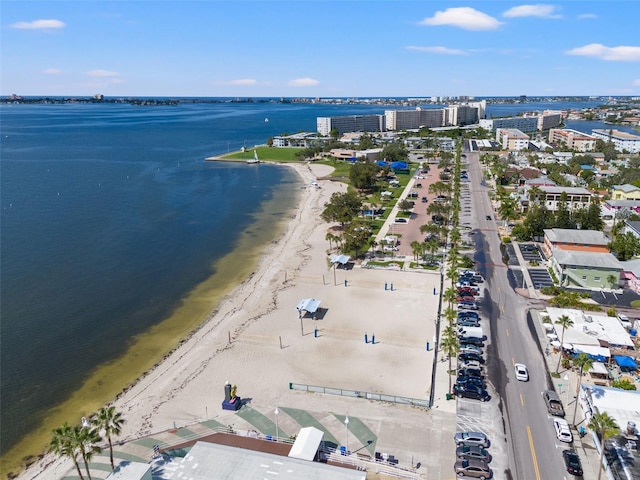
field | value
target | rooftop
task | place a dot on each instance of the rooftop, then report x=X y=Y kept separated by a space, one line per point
x=585 y=237
x=590 y=329
x=586 y=259
x=209 y=460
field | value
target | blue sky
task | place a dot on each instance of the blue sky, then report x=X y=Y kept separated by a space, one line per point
x=319 y=48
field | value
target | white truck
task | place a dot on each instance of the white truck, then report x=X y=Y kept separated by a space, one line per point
x=475 y=332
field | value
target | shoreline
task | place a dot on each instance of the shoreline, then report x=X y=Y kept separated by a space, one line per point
x=257 y=341
x=150 y=349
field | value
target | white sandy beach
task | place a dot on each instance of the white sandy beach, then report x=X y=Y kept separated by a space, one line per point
x=187 y=387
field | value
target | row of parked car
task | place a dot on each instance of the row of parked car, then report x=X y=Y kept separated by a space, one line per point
x=472 y=456
x=470 y=382
x=562 y=430
x=468 y=290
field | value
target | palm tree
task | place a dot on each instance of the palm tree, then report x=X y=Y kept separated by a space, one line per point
x=605 y=427
x=454 y=236
x=111 y=422
x=64 y=444
x=330 y=236
x=87 y=439
x=450 y=315
x=374 y=245
x=584 y=362
x=416 y=248
x=450 y=346
x=433 y=246
x=450 y=295
x=565 y=322
x=452 y=274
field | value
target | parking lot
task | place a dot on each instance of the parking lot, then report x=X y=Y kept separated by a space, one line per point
x=540 y=278
x=531 y=252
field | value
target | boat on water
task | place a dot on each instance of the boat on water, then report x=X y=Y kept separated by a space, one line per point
x=255 y=158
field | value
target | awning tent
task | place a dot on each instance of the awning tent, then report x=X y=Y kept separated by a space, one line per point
x=341 y=259
x=308 y=305
x=382 y=163
x=399 y=166
x=307 y=443
x=599 y=354
x=625 y=362
x=598 y=368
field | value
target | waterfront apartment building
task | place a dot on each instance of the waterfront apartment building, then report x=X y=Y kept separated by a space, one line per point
x=549 y=119
x=512 y=139
x=413 y=119
x=623 y=141
x=351 y=123
x=573 y=139
x=524 y=124
x=460 y=115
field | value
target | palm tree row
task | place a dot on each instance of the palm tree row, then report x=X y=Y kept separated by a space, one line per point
x=450 y=343
x=82 y=441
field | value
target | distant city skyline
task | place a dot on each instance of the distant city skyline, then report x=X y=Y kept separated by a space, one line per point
x=319 y=48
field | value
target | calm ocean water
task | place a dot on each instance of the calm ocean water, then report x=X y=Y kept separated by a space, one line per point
x=110 y=216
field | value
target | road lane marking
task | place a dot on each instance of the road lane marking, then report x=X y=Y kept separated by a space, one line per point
x=507 y=330
x=533 y=453
x=521 y=400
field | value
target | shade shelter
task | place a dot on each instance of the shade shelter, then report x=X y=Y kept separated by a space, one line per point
x=308 y=305
x=599 y=354
x=341 y=259
x=625 y=361
x=307 y=443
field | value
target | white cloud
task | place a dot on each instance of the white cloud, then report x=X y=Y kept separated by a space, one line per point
x=243 y=81
x=613 y=54
x=463 y=17
x=437 y=50
x=636 y=83
x=587 y=15
x=303 y=82
x=539 y=10
x=102 y=73
x=39 y=25
x=52 y=71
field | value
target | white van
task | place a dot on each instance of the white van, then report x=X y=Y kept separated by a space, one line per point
x=475 y=332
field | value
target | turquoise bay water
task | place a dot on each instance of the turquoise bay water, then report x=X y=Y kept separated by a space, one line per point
x=109 y=216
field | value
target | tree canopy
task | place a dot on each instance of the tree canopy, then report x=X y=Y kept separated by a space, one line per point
x=342 y=207
x=363 y=174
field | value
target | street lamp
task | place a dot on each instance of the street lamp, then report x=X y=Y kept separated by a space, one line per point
x=346 y=427
x=276 y=412
x=566 y=379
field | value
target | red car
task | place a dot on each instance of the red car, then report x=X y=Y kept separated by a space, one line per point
x=466 y=298
x=468 y=291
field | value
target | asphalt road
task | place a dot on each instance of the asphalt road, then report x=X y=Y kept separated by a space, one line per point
x=517 y=414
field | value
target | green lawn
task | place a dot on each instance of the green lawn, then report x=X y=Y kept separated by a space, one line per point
x=267 y=154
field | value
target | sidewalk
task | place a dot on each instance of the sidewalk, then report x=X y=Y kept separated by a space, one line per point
x=566 y=386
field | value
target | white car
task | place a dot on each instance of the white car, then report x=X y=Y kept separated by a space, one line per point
x=563 y=432
x=522 y=373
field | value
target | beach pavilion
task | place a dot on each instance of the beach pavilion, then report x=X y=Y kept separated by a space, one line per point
x=341 y=259
x=308 y=305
